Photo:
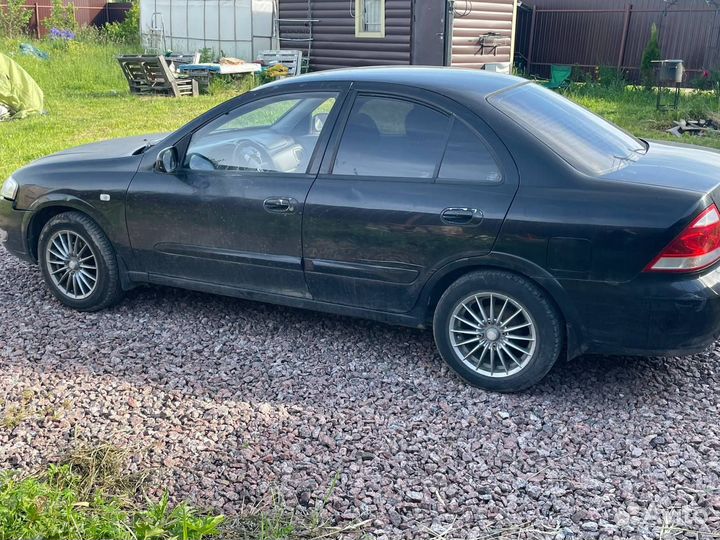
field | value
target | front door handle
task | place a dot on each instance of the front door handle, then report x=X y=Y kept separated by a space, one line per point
x=461 y=216
x=280 y=205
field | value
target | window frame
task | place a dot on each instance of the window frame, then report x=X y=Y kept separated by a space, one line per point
x=341 y=126
x=359 y=10
x=340 y=95
x=491 y=151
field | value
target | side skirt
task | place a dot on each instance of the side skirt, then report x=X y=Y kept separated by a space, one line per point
x=409 y=320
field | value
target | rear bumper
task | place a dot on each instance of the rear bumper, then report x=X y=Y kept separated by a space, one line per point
x=685 y=317
x=12 y=229
x=655 y=314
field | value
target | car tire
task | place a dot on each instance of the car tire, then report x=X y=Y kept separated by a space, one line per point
x=497 y=330
x=78 y=262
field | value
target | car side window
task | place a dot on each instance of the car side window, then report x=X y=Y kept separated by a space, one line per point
x=467 y=159
x=277 y=134
x=391 y=137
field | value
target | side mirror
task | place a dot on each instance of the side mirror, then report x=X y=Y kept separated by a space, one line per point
x=167 y=160
x=318 y=122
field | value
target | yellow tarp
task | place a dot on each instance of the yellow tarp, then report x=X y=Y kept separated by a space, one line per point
x=18 y=91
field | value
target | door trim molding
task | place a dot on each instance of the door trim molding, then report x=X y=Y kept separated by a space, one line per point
x=390 y=272
x=286 y=262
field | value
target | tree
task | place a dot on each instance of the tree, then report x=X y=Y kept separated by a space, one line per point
x=651 y=53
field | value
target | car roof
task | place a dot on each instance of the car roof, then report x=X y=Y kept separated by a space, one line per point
x=458 y=81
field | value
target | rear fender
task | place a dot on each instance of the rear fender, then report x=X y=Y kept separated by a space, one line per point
x=522 y=267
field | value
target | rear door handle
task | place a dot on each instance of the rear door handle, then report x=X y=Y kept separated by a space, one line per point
x=461 y=216
x=280 y=205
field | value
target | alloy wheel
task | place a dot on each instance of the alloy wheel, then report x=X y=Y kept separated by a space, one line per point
x=71 y=264
x=492 y=334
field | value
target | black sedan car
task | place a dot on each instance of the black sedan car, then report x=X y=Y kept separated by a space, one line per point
x=519 y=225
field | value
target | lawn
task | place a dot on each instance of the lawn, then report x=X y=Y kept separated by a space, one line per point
x=87 y=99
x=634 y=109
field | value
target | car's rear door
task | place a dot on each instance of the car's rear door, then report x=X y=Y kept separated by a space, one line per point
x=411 y=181
x=231 y=214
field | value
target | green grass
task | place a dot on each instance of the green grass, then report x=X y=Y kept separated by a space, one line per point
x=87 y=99
x=91 y=497
x=634 y=110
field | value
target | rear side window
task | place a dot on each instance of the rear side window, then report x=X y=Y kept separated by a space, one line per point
x=391 y=137
x=467 y=158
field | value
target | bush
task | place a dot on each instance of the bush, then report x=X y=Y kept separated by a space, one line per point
x=610 y=77
x=582 y=75
x=14 y=19
x=128 y=31
x=650 y=54
x=61 y=20
x=207 y=55
x=708 y=80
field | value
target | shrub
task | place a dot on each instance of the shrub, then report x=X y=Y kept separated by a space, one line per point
x=62 y=20
x=610 y=77
x=207 y=55
x=582 y=75
x=128 y=31
x=708 y=80
x=651 y=53
x=14 y=19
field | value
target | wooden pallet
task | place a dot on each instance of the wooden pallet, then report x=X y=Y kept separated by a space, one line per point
x=151 y=75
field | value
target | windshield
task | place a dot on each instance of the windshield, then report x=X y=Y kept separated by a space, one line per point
x=581 y=138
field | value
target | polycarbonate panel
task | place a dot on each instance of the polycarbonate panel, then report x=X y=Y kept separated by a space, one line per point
x=262 y=20
x=221 y=25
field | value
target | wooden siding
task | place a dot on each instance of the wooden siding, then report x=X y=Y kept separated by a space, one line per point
x=334 y=43
x=475 y=18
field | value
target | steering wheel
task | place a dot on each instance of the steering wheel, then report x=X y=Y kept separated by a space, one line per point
x=251 y=155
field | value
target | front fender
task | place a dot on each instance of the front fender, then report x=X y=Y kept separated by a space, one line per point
x=67 y=201
x=109 y=215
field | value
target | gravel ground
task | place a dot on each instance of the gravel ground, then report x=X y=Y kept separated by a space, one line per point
x=229 y=400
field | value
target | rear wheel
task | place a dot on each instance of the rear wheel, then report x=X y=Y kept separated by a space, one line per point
x=497 y=330
x=78 y=262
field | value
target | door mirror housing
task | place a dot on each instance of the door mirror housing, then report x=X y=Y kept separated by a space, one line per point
x=167 y=160
x=318 y=122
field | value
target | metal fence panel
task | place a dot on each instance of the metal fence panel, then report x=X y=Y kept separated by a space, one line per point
x=87 y=12
x=614 y=33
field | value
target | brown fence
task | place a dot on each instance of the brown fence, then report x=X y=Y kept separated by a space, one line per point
x=614 y=33
x=87 y=12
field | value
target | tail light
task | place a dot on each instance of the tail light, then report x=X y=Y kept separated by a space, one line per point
x=697 y=247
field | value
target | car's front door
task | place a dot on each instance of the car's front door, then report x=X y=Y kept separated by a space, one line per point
x=410 y=182
x=231 y=213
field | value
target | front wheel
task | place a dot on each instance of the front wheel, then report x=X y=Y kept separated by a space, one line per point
x=78 y=262
x=497 y=330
